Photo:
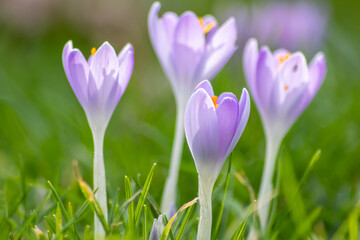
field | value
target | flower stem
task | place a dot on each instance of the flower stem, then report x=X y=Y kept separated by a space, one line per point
x=266 y=187
x=169 y=194
x=205 y=192
x=99 y=182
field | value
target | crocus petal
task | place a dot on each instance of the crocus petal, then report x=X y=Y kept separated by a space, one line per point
x=243 y=117
x=265 y=74
x=250 y=58
x=127 y=48
x=188 y=48
x=317 y=71
x=294 y=71
x=125 y=70
x=66 y=52
x=202 y=132
x=161 y=33
x=206 y=85
x=220 y=49
x=226 y=95
x=78 y=71
x=105 y=64
x=227 y=114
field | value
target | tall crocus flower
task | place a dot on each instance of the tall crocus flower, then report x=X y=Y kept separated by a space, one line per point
x=99 y=83
x=213 y=126
x=190 y=49
x=282 y=86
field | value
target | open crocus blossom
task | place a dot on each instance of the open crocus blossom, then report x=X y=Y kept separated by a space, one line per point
x=190 y=49
x=282 y=86
x=213 y=126
x=99 y=83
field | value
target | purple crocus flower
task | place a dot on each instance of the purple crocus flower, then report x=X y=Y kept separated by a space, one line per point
x=282 y=85
x=99 y=83
x=190 y=49
x=213 y=126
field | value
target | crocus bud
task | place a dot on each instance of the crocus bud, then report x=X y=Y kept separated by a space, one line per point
x=157 y=228
x=213 y=126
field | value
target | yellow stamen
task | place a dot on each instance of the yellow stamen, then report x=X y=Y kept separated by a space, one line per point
x=282 y=59
x=206 y=27
x=93 y=51
x=286 y=87
x=214 y=100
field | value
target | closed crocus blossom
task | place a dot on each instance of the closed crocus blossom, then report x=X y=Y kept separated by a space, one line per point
x=98 y=84
x=213 y=126
x=190 y=49
x=282 y=85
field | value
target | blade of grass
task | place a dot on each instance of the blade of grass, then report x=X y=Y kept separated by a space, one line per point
x=184 y=222
x=76 y=216
x=171 y=221
x=218 y=221
x=58 y=223
x=115 y=201
x=143 y=194
x=240 y=233
x=145 y=223
x=32 y=217
x=124 y=207
x=130 y=208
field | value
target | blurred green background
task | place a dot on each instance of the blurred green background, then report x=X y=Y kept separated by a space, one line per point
x=43 y=128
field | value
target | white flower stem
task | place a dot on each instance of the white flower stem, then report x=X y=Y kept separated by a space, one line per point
x=205 y=192
x=169 y=194
x=99 y=182
x=266 y=187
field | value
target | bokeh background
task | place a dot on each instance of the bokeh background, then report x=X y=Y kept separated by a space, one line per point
x=43 y=128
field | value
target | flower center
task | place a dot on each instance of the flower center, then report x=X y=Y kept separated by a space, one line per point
x=206 y=27
x=214 y=100
x=286 y=87
x=283 y=58
x=93 y=51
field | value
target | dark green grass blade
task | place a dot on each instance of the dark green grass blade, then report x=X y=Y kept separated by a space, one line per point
x=76 y=217
x=144 y=194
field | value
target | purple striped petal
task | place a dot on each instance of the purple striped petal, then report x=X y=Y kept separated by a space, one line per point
x=188 y=48
x=227 y=114
x=78 y=74
x=206 y=85
x=202 y=132
x=220 y=48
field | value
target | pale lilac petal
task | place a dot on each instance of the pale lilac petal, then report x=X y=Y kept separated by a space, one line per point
x=206 y=85
x=243 y=117
x=202 y=132
x=293 y=104
x=188 y=48
x=127 y=48
x=265 y=74
x=161 y=33
x=105 y=64
x=78 y=71
x=227 y=114
x=65 y=58
x=125 y=72
x=219 y=49
x=317 y=71
x=294 y=71
x=226 y=95
x=250 y=58
x=209 y=19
